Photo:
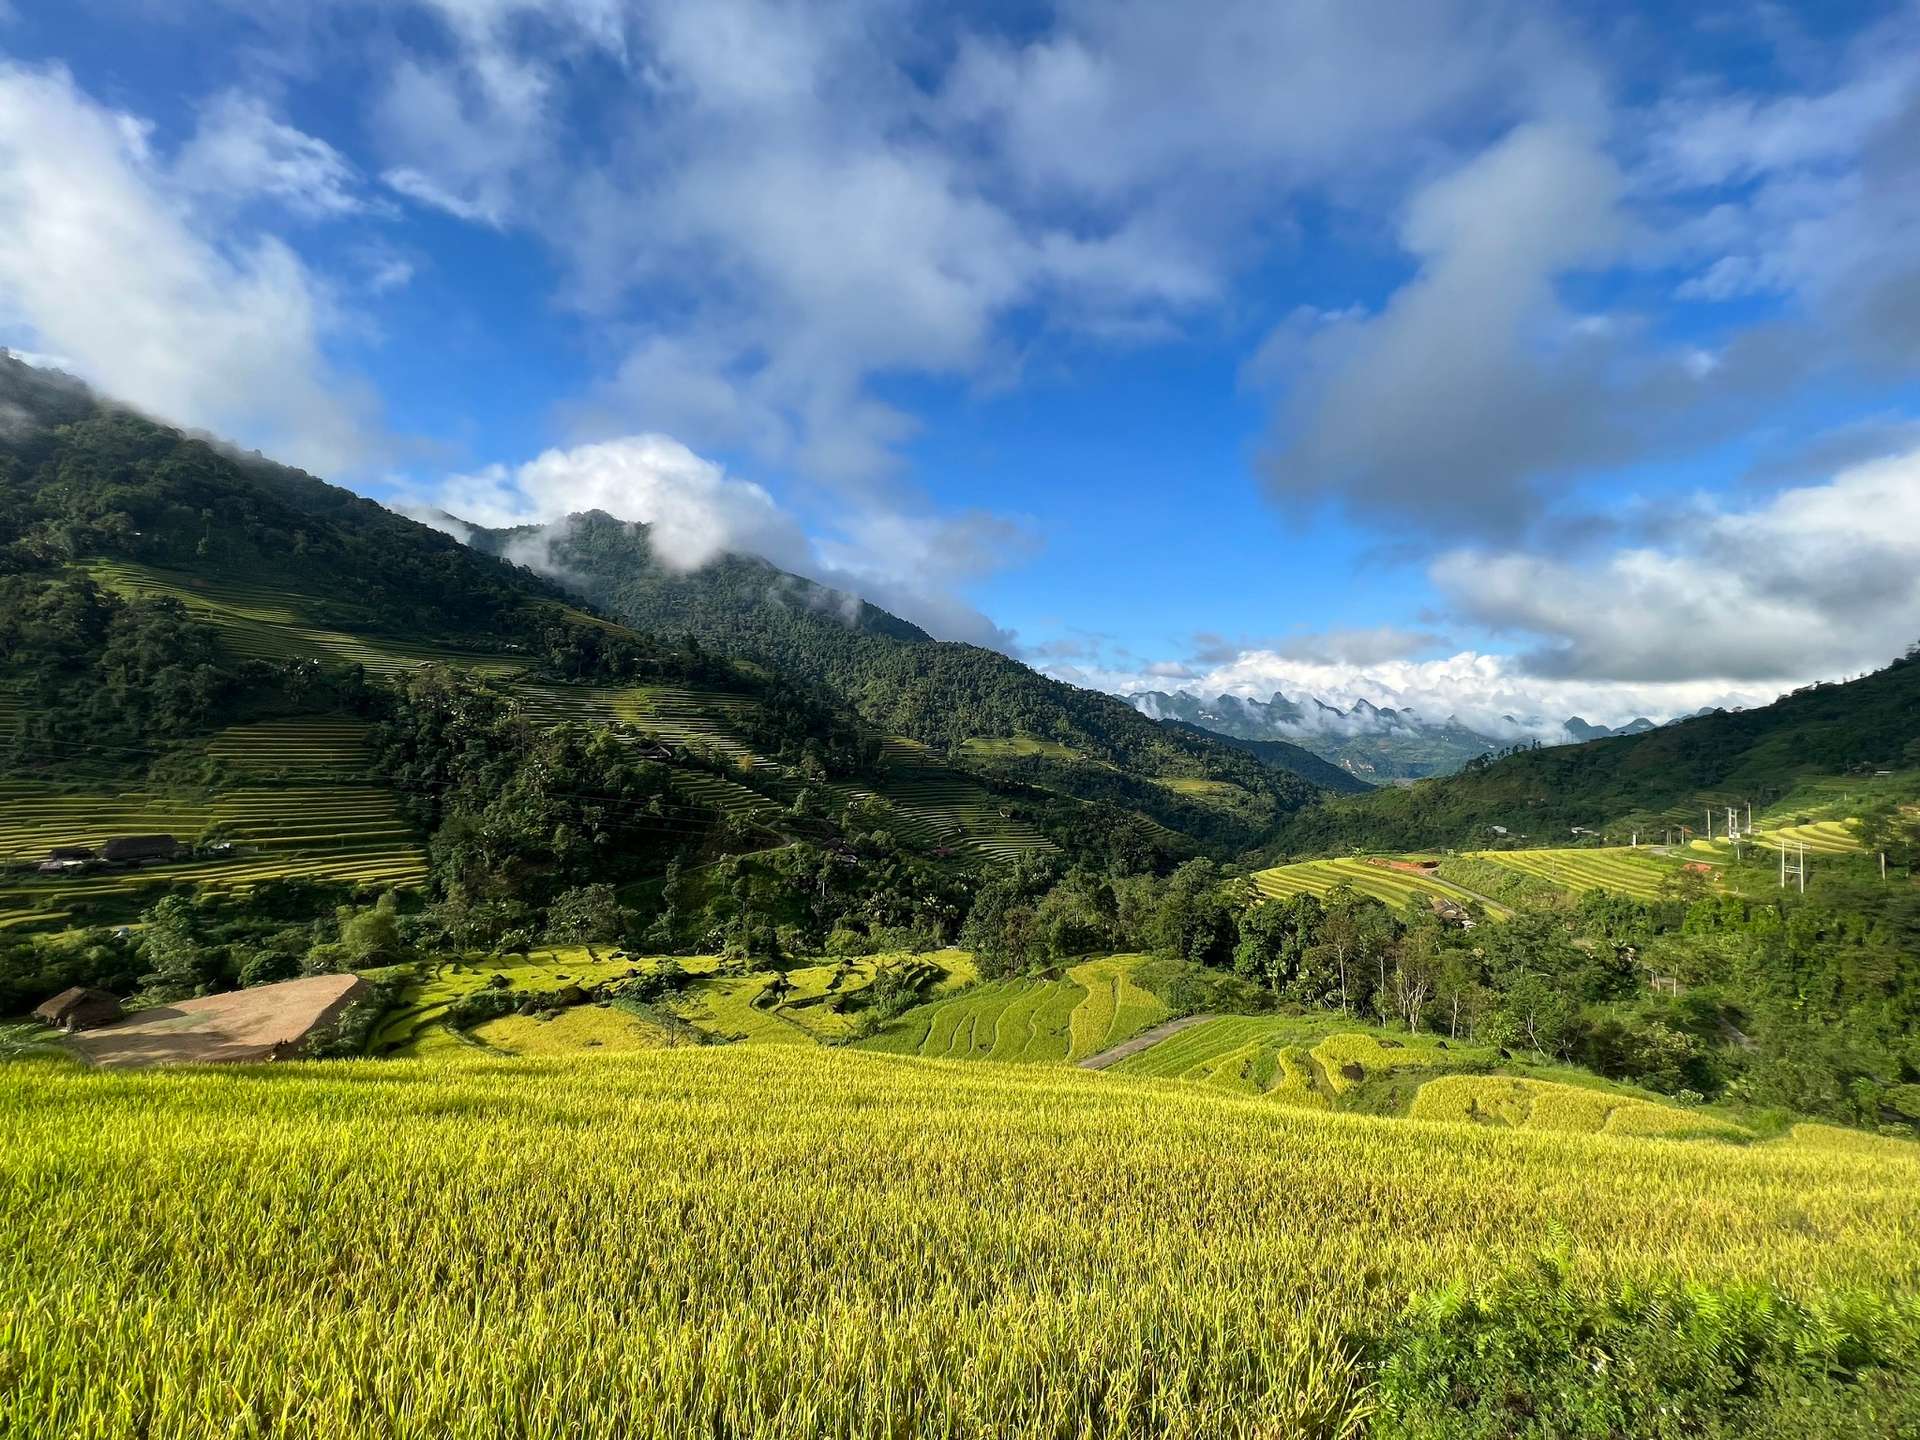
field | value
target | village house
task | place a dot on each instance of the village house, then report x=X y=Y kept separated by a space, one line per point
x=79 y=1008
x=140 y=849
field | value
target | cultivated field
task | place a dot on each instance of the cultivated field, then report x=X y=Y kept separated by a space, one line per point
x=719 y=1005
x=1620 y=869
x=1581 y=1109
x=344 y=834
x=1293 y=1059
x=1394 y=888
x=782 y=1242
x=1093 y=1007
x=263 y=620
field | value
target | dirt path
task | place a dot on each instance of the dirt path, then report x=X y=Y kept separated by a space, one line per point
x=1144 y=1040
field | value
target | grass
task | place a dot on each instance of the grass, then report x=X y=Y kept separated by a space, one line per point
x=783 y=1241
x=1394 y=888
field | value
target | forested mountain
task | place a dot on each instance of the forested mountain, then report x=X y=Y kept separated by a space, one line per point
x=1863 y=725
x=979 y=707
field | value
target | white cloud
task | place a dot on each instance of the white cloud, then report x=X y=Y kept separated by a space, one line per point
x=241 y=151
x=799 y=201
x=1495 y=695
x=1817 y=199
x=911 y=564
x=1474 y=381
x=1818 y=581
x=105 y=260
x=696 y=510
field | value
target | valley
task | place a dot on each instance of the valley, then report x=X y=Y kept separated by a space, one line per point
x=846 y=1025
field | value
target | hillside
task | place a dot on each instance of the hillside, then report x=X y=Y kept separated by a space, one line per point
x=1285 y=755
x=1651 y=780
x=299 y=688
x=974 y=706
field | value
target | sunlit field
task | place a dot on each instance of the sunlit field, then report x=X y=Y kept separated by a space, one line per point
x=779 y=1241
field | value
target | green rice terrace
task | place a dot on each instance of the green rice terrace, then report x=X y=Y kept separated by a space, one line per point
x=1392 y=880
x=263 y=620
x=720 y=1003
x=1033 y=1019
x=349 y=834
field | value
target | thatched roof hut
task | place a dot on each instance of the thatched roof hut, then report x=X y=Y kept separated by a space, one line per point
x=79 y=1008
x=141 y=847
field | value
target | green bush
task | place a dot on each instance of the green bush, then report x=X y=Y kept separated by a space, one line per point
x=1535 y=1357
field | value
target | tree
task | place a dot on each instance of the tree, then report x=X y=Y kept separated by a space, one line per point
x=180 y=964
x=1275 y=937
x=1539 y=1016
x=1459 y=993
x=586 y=914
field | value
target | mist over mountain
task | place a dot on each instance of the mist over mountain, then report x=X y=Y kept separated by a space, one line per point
x=1376 y=743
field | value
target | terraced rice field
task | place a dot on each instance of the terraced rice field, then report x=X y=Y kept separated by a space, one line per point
x=805 y=1242
x=1820 y=837
x=307 y=748
x=263 y=620
x=346 y=834
x=1619 y=869
x=412 y=1026
x=1394 y=888
x=1545 y=1105
x=942 y=805
x=1286 y=1058
x=1116 y=1007
x=583 y=1027
x=1029 y=1020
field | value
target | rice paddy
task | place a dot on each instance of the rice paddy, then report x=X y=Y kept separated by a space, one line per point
x=1818 y=837
x=1394 y=888
x=801 y=1005
x=263 y=620
x=305 y=749
x=1292 y=1059
x=1623 y=870
x=346 y=834
x=776 y=1241
x=1030 y=1020
x=1544 y=1105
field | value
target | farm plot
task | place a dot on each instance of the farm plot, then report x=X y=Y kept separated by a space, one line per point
x=262 y=620
x=306 y=748
x=337 y=834
x=940 y=804
x=1116 y=1008
x=1394 y=888
x=1619 y=869
x=1820 y=837
x=419 y=1249
x=412 y=1025
x=1545 y=1105
x=1028 y=1020
x=1294 y=1060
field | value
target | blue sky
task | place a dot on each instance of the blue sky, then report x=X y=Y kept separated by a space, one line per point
x=1493 y=358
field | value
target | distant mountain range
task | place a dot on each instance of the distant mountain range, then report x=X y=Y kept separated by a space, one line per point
x=1372 y=742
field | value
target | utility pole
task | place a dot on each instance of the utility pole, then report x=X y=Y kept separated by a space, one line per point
x=1797 y=869
x=1709 y=823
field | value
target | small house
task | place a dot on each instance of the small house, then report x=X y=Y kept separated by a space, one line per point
x=133 y=849
x=79 y=1008
x=66 y=854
